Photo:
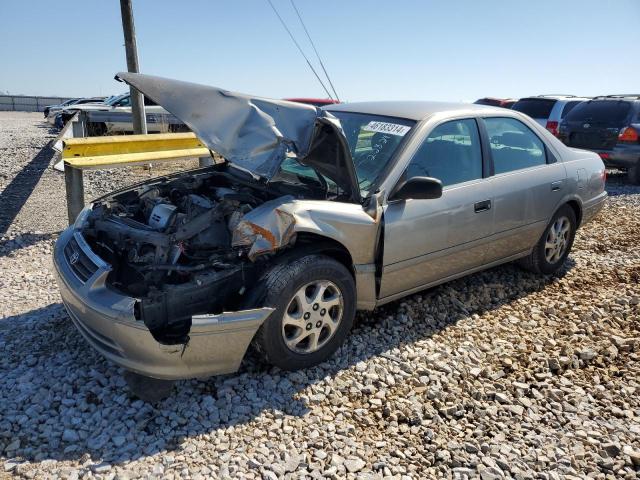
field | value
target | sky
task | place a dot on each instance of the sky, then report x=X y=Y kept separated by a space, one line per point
x=374 y=50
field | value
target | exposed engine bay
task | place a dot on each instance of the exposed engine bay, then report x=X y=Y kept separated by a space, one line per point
x=170 y=245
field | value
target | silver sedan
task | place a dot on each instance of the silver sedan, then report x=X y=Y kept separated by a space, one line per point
x=314 y=214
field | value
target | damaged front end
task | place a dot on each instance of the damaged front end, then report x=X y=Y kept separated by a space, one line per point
x=183 y=247
x=157 y=276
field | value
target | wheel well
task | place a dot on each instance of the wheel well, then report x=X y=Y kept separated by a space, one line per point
x=312 y=242
x=577 y=210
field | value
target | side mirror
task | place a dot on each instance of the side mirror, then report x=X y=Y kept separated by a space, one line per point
x=418 y=188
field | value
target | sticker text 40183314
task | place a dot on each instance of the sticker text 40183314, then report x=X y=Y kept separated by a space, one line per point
x=386 y=127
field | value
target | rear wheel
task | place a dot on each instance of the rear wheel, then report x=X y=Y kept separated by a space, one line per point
x=315 y=302
x=634 y=173
x=554 y=246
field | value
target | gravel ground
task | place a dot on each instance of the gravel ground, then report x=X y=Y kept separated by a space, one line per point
x=500 y=374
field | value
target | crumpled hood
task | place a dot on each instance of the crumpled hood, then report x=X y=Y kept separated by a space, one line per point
x=251 y=132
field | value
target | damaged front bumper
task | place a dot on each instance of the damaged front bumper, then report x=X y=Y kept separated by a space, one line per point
x=217 y=343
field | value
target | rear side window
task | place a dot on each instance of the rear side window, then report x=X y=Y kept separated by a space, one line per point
x=535 y=107
x=609 y=112
x=148 y=102
x=513 y=145
x=568 y=107
x=451 y=153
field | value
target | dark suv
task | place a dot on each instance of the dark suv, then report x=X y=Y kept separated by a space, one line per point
x=610 y=126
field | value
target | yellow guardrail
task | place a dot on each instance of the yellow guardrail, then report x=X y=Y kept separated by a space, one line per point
x=121 y=150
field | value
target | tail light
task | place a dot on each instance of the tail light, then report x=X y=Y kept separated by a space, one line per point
x=628 y=134
x=553 y=127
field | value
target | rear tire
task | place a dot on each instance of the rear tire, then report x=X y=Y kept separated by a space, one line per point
x=315 y=303
x=553 y=248
x=634 y=173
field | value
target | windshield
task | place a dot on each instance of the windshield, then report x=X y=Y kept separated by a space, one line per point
x=372 y=139
x=113 y=100
x=600 y=111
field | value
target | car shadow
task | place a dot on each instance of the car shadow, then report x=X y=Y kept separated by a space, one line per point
x=51 y=129
x=91 y=392
x=24 y=240
x=16 y=193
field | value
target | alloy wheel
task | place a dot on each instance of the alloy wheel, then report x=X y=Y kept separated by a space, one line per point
x=312 y=316
x=557 y=239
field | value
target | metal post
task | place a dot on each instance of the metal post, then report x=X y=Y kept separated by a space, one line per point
x=79 y=125
x=74 y=186
x=137 y=101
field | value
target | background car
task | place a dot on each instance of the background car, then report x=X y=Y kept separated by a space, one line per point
x=548 y=110
x=496 y=102
x=119 y=118
x=53 y=109
x=610 y=126
x=58 y=105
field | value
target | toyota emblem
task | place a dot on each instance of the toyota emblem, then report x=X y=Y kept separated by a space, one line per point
x=73 y=259
x=586 y=125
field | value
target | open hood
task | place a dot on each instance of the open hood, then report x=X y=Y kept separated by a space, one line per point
x=255 y=133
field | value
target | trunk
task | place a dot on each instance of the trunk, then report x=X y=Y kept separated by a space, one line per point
x=593 y=137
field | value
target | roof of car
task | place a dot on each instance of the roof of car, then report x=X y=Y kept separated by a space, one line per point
x=414 y=110
x=628 y=97
x=556 y=97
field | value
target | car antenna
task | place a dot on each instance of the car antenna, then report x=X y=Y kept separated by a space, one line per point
x=315 y=50
x=299 y=49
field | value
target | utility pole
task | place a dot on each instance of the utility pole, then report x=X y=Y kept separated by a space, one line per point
x=137 y=100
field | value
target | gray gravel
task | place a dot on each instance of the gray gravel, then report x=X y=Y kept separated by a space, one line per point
x=501 y=374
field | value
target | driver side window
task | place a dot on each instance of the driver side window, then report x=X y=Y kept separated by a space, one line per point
x=451 y=153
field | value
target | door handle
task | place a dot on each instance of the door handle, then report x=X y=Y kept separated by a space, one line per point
x=482 y=206
x=555 y=186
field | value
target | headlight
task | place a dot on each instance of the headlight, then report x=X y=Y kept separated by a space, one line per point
x=81 y=219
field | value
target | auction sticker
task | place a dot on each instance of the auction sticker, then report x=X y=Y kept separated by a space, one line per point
x=385 y=127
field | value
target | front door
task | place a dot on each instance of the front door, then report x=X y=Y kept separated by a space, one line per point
x=426 y=241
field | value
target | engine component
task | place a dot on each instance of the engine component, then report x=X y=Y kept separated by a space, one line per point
x=162 y=215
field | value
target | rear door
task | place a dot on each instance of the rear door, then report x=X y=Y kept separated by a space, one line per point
x=596 y=124
x=527 y=186
x=537 y=108
x=426 y=241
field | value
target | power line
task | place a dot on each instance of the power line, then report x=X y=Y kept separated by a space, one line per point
x=299 y=49
x=315 y=50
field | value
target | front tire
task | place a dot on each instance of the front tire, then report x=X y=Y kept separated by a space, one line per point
x=553 y=248
x=315 y=303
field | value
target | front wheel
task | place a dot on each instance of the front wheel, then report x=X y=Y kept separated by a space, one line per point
x=315 y=302
x=554 y=246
